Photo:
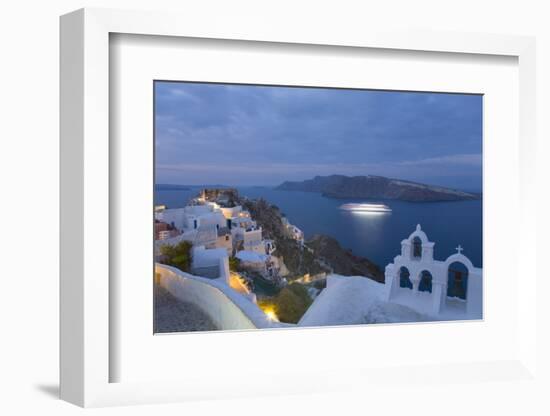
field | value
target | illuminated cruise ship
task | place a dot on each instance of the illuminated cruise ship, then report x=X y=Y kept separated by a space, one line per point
x=366 y=207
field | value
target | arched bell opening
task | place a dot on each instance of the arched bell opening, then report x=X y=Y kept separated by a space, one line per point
x=417 y=248
x=404 y=278
x=457 y=281
x=425 y=284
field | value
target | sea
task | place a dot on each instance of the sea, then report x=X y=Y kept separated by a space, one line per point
x=374 y=236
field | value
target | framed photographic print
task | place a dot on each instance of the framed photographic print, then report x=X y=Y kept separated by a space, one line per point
x=332 y=207
x=271 y=199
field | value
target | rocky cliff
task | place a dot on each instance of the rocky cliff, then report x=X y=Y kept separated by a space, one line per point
x=377 y=187
x=321 y=254
x=343 y=261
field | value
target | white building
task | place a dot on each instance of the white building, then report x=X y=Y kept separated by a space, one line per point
x=206 y=235
x=175 y=216
x=246 y=234
x=225 y=240
x=192 y=217
x=213 y=218
x=253 y=261
x=252 y=241
x=232 y=212
x=241 y=223
x=452 y=287
x=211 y=263
x=293 y=232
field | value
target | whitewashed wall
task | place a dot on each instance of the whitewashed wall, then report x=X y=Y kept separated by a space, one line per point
x=228 y=309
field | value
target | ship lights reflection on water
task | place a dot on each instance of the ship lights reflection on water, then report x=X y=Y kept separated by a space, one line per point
x=370 y=213
x=367 y=209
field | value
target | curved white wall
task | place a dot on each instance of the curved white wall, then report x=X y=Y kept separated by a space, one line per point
x=228 y=309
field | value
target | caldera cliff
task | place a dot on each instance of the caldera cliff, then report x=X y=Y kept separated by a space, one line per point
x=377 y=187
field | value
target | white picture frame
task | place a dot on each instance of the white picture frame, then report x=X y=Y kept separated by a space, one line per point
x=86 y=166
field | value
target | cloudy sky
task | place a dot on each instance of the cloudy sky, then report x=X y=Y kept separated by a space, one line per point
x=255 y=135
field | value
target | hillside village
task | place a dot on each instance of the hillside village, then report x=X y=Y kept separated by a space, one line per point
x=219 y=227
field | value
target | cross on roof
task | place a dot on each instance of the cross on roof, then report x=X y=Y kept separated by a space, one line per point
x=459 y=249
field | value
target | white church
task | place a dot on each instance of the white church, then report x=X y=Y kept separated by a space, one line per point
x=447 y=289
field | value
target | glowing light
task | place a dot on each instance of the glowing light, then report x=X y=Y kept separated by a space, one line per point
x=237 y=283
x=366 y=207
x=269 y=311
x=370 y=213
x=271 y=315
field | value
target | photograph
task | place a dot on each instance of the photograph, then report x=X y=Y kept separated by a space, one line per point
x=281 y=207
